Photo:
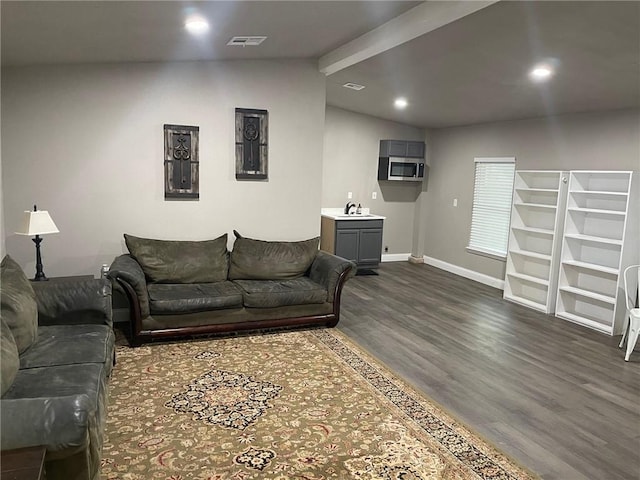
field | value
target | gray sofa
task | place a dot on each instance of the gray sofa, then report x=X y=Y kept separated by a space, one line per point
x=178 y=288
x=57 y=351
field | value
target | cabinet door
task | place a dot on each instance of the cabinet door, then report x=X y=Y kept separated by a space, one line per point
x=347 y=243
x=370 y=250
x=415 y=149
x=397 y=148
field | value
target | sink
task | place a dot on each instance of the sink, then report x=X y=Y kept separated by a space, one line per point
x=353 y=216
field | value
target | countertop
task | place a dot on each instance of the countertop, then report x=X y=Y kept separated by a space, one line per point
x=338 y=214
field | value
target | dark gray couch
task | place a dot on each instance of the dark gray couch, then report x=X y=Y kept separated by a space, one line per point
x=178 y=288
x=57 y=353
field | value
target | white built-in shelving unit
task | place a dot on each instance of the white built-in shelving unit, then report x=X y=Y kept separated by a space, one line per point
x=534 y=238
x=600 y=239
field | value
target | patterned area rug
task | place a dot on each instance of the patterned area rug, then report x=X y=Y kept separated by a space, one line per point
x=296 y=405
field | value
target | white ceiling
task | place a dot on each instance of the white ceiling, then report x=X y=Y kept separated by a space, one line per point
x=456 y=66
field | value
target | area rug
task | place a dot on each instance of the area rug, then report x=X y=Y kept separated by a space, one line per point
x=295 y=405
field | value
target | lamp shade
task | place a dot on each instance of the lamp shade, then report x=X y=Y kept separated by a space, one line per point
x=37 y=223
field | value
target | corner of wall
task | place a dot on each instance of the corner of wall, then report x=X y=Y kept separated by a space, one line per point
x=3 y=248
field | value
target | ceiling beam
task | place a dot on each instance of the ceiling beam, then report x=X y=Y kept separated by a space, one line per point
x=418 y=21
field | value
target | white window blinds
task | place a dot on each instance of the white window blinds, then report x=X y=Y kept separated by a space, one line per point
x=492 y=193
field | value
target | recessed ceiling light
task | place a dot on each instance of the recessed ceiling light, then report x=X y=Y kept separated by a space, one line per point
x=196 y=25
x=541 y=72
x=400 y=103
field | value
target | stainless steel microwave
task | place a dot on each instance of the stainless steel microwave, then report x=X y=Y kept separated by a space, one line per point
x=402 y=169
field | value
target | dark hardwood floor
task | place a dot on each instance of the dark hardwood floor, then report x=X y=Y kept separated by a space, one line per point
x=557 y=397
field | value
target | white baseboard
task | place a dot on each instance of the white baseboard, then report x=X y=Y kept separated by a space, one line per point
x=465 y=272
x=395 y=257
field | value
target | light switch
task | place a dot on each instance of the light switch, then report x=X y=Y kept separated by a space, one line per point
x=455 y=202
x=374 y=195
x=349 y=195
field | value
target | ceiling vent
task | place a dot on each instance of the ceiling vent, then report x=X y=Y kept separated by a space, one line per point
x=353 y=86
x=246 y=41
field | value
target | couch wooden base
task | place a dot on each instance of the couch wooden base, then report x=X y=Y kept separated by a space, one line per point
x=150 y=335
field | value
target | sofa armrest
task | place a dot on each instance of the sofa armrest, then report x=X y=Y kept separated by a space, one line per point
x=74 y=302
x=327 y=270
x=125 y=269
x=56 y=422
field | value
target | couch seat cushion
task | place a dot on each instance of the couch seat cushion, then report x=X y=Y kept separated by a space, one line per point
x=60 y=407
x=278 y=293
x=19 y=308
x=266 y=260
x=188 y=298
x=165 y=261
x=70 y=345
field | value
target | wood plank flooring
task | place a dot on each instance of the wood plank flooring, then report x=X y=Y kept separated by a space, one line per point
x=557 y=397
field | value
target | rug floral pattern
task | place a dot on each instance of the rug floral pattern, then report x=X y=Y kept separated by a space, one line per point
x=295 y=405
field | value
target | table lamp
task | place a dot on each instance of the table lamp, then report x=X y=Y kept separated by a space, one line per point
x=37 y=223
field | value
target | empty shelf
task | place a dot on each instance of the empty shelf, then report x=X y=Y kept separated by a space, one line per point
x=591 y=238
x=527 y=253
x=529 y=278
x=591 y=266
x=588 y=294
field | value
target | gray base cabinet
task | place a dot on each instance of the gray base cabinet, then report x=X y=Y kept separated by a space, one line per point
x=356 y=240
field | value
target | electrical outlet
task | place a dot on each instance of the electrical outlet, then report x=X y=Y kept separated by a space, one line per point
x=386 y=249
x=374 y=195
x=349 y=195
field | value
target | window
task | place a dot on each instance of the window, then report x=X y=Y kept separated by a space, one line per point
x=492 y=193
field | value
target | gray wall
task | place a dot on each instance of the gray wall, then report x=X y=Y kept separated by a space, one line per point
x=351 y=145
x=597 y=141
x=86 y=144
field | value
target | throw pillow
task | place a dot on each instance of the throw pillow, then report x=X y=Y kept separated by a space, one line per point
x=167 y=261
x=264 y=260
x=18 y=303
x=9 y=361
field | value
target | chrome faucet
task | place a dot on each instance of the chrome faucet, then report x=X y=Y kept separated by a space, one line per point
x=348 y=207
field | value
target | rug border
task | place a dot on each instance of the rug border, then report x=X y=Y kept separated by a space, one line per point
x=387 y=370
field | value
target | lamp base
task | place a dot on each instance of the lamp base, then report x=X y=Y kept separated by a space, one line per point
x=40 y=276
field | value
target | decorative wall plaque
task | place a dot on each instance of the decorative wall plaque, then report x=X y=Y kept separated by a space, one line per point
x=252 y=129
x=181 y=163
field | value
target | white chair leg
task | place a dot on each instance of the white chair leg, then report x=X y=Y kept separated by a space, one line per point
x=634 y=326
x=625 y=329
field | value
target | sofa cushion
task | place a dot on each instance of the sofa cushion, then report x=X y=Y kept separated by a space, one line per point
x=61 y=407
x=264 y=260
x=9 y=361
x=18 y=304
x=70 y=345
x=278 y=293
x=188 y=298
x=165 y=261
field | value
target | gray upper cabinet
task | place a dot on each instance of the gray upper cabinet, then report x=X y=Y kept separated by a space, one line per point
x=415 y=149
x=401 y=148
x=394 y=148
